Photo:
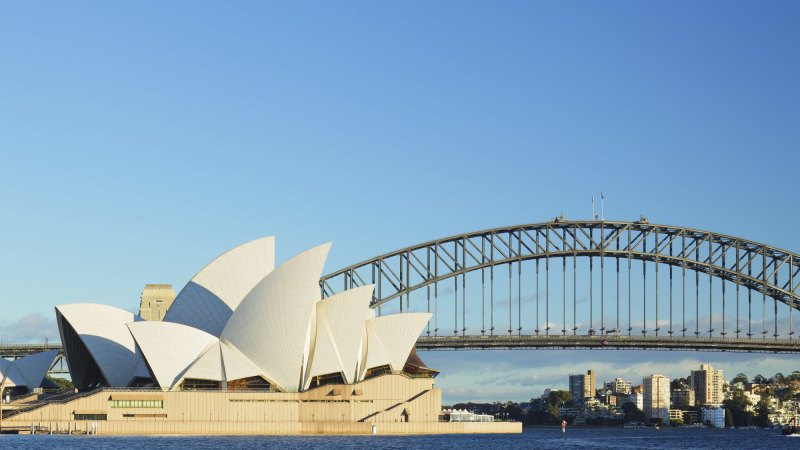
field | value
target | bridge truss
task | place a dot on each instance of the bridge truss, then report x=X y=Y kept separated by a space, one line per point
x=592 y=284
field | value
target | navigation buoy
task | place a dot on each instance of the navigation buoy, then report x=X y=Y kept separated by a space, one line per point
x=563 y=426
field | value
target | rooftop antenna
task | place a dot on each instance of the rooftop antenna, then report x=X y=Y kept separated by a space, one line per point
x=602 y=206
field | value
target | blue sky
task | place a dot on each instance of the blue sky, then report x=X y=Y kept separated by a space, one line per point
x=139 y=141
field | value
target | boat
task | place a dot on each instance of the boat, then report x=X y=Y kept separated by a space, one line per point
x=791 y=431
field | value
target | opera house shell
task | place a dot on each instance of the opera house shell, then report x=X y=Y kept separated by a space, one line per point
x=242 y=323
x=27 y=373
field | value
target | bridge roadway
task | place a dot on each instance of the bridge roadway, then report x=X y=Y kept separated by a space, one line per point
x=543 y=342
x=610 y=341
x=12 y=351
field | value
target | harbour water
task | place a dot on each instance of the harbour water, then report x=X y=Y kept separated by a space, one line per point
x=532 y=438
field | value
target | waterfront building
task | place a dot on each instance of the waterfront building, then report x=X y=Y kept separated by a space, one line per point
x=462 y=415
x=155 y=301
x=249 y=348
x=676 y=415
x=689 y=417
x=714 y=417
x=656 y=397
x=707 y=384
x=582 y=387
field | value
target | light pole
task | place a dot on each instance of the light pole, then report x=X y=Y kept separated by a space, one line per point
x=2 y=399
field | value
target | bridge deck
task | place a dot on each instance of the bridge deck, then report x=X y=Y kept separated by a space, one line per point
x=608 y=342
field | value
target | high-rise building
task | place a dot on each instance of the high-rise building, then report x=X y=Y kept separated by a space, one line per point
x=682 y=397
x=156 y=300
x=656 y=397
x=582 y=387
x=707 y=384
x=618 y=386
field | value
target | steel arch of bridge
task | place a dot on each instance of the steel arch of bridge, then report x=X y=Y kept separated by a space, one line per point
x=758 y=268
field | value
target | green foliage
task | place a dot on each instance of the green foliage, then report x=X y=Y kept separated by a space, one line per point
x=762 y=412
x=740 y=378
x=61 y=382
x=679 y=383
x=632 y=413
x=728 y=419
x=736 y=409
x=546 y=411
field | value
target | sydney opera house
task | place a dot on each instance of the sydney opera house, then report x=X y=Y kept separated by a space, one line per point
x=248 y=348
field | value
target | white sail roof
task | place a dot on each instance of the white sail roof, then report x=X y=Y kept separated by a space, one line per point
x=209 y=299
x=236 y=365
x=102 y=329
x=170 y=348
x=337 y=346
x=9 y=373
x=273 y=325
x=34 y=367
x=391 y=338
x=208 y=366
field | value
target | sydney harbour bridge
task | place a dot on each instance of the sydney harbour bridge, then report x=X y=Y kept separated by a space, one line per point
x=582 y=284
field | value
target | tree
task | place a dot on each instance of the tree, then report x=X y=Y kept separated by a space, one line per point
x=62 y=383
x=683 y=404
x=762 y=412
x=740 y=378
x=736 y=408
x=679 y=383
x=632 y=413
x=728 y=419
x=547 y=411
x=759 y=379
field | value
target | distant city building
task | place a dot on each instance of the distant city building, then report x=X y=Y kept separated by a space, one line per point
x=582 y=387
x=637 y=398
x=156 y=300
x=656 y=397
x=754 y=399
x=707 y=384
x=681 y=397
x=618 y=386
x=714 y=416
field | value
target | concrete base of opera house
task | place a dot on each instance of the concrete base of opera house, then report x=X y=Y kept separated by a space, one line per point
x=388 y=404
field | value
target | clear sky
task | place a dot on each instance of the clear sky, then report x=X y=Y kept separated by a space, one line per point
x=139 y=141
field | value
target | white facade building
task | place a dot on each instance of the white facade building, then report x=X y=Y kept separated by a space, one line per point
x=714 y=416
x=656 y=397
